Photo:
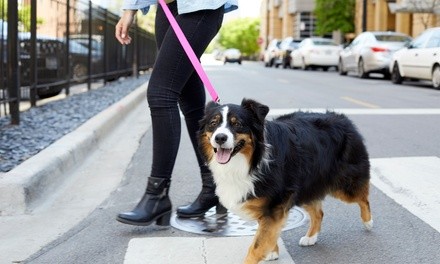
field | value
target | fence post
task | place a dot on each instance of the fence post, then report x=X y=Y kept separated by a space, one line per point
x=68 y=47
x=13 y=69
x=33 y=61
x=89 y=59
x=105 y=46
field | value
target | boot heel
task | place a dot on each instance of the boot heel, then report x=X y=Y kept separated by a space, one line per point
x=220 y=209
x=164 y=220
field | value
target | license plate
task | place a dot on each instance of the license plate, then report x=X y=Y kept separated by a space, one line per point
x=328 y=52
x=51 y=63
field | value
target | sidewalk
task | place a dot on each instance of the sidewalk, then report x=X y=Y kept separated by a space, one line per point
x=51 y=192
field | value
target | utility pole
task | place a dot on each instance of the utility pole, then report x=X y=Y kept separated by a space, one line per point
x=364 y=15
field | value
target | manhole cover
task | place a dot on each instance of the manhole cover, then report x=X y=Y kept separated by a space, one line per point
x=230 y=224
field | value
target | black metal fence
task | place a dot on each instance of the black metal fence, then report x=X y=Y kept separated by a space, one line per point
x=46 y=46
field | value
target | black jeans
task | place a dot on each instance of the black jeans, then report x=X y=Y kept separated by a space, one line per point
x=175 y=83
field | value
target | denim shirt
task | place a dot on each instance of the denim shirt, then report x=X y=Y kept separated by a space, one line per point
x=183 y=6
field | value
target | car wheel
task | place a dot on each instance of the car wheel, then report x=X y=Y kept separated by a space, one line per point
x=303 y=65
x=79 y=72
x=341 y=69
x=396 y=78
x=361 y=69
x=436 y=77
x=271 y=62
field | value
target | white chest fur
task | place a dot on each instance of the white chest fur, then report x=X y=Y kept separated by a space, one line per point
x=233 y=182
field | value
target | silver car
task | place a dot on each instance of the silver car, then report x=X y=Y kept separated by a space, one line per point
x=371 y=52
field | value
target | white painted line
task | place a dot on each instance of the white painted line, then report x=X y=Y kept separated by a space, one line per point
x=412 y=182
x=361 y=111
x=194 y=250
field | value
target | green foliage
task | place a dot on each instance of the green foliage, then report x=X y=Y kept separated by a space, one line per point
x=24 y=15
x=241 y=34
x=333 y=15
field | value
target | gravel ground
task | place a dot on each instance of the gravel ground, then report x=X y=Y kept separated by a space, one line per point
x=41 y=126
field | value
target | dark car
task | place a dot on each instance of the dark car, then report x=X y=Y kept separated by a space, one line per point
x=50 y=65
x=282 y=55
x=79 y=56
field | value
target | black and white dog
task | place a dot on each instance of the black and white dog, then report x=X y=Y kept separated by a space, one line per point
x=263 y=168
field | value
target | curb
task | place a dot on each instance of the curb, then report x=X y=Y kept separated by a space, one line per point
x=27 y=184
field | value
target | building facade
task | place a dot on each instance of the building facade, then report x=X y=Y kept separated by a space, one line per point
x=294 y=18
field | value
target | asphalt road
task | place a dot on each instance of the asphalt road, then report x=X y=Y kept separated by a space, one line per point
x=398 y=236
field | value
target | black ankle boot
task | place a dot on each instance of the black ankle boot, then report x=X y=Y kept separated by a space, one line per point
x=155 y=205
x=205 y=201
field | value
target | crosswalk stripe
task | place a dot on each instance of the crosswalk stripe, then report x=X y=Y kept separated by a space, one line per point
x=412 y=182
x=194 y=250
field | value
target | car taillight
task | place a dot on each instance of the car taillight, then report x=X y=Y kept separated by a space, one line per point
x=379 y=49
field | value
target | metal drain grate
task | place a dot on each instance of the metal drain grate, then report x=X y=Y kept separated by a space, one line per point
x=230 y=224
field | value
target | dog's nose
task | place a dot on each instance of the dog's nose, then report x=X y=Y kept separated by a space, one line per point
x=221 y=138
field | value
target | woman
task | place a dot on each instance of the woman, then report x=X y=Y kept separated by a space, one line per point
x=173 y=84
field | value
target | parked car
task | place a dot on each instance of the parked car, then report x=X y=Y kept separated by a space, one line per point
x=419 y=60
x=79 y=57
x=315 y=53
x=50 y=64
x=270 y=52
x=282 y=55
x=371 y=52
x=232 y=55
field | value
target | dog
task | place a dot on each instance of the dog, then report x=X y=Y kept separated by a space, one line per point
x=263 y=168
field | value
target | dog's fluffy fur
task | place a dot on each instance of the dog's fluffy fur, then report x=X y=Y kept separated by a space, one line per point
x=263 y=168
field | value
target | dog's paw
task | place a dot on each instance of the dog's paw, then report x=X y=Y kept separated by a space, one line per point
x=272 y=256
x=369 y=225
x=308 y=241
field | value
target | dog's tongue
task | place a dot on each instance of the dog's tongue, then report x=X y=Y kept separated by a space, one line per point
x=223 y=155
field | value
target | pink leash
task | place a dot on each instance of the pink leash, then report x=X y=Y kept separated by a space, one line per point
x=189 y=52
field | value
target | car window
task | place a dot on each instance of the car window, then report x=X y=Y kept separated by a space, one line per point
x=357 y=40
x=392 y=38
x=323 y=42
x=420 y=41
x=434 y=41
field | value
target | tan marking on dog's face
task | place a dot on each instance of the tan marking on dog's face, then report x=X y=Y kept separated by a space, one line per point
x=214 y=122
x=248 y=148
x=206 y=146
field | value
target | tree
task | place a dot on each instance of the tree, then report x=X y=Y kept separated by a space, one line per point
x=426 y=9
x=241 y=34
x=24 y=15
x=334 y=15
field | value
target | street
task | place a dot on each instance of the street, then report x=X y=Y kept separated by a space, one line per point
x=400 y=124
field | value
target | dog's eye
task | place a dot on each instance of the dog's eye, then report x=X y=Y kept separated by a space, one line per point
x=213 y=123
x=236 y=124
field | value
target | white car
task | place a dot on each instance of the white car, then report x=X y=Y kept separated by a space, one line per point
x=419 y=60
x=270 y=52
x=371 y=52
x=315 y=53
x=232 y=55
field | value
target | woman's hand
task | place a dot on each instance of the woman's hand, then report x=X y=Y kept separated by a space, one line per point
x=123 y=25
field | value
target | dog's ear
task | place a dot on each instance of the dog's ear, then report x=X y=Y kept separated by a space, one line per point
x=260 y=110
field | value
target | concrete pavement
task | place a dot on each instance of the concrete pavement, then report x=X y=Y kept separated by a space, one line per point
x=54 y=190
